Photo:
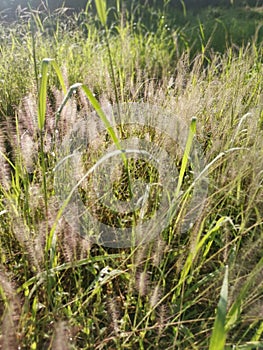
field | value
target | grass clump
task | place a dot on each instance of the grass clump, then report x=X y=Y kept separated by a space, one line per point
x=59 y=290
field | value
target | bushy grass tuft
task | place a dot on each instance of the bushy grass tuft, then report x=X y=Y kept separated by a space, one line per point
x=61 y=291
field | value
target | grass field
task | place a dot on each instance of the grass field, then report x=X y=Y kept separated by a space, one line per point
x=200 y=288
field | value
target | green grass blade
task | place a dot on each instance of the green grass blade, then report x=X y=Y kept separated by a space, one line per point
x=184 y=8
x=102 y=116
x=59 y=75
x=67 y=96
x=187 y=151
x=196 y=248
x=102 y=11
x=259 y=333
x=43 y=88
x=43 y=93
x=218 y=338
x=7 y=159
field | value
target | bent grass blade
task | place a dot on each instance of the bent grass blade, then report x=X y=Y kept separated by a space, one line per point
x=42 y=101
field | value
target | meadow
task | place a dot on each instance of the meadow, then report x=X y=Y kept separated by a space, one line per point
x=200 y=288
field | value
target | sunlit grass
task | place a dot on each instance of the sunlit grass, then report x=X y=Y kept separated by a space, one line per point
x=58 y=290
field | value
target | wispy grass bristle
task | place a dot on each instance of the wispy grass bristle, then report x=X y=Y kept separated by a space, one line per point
x=159 y=249
x=30 y=243
x=10 y=311
x=155 y=297
x=142 y=283
x=4 y=159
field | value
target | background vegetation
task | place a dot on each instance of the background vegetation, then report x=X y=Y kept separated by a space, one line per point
x=82 y=3
x=181 y=291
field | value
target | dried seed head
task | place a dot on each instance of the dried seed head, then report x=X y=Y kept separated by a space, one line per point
x=27 y=115
x=11 y=314
x=4 y=169
x=73 y=245
x=159 y=249
x=28 y=151
x=114 y=313
x=142 y=283
x=155 y=297
x=162 y=315
x=26 y=240
x=140 y=254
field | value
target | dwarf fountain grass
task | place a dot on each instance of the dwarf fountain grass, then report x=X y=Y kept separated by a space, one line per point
x=93 y=299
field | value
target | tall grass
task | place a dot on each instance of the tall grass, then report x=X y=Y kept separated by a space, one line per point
x=58 y=290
